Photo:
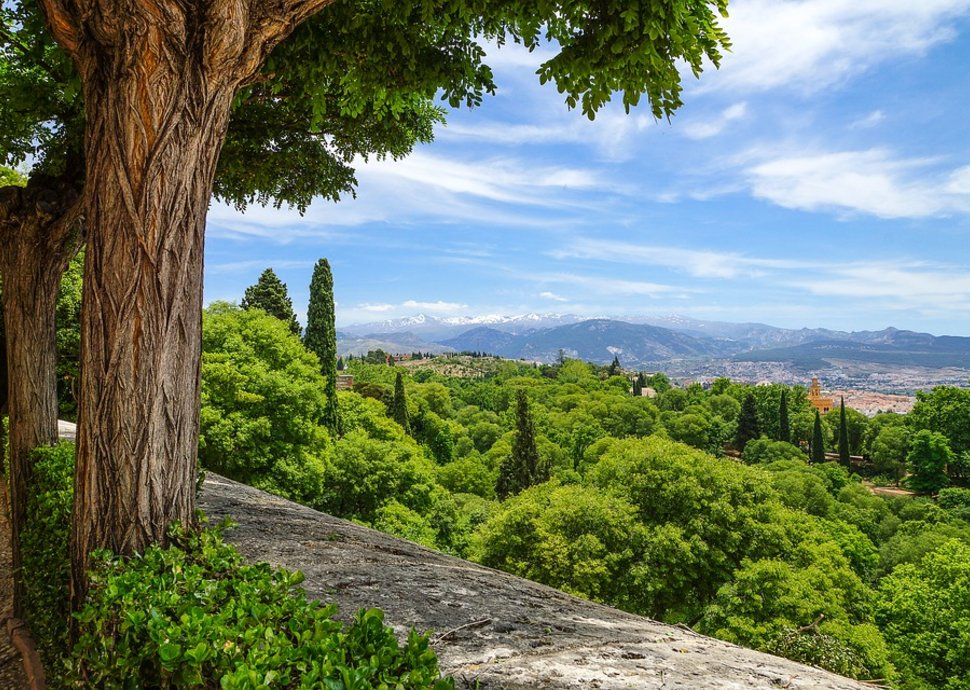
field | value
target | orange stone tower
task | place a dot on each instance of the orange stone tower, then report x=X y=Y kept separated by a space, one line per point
x=821 y=404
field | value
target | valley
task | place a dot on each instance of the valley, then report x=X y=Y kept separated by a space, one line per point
x=890 y=361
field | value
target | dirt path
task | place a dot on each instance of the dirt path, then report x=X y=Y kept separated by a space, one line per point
x=888 y=490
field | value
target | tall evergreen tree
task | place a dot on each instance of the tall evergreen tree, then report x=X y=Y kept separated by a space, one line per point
x=399 y=405
x=269 y=294
x=748 y=427
x=784 y=426
x=843 y=435
x=321 y=337
x=817 y=446
x=523 y=468
x=614 y=369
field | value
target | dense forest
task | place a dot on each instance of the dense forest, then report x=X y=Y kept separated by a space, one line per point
x=697 y=505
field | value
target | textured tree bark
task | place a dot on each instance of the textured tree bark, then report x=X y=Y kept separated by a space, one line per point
x=155 y=129
x=38 y=237
x=158 y=78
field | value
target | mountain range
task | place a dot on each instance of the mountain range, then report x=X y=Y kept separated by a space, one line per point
x=652 y=341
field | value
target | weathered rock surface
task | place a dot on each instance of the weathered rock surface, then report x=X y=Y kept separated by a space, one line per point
x=492 y=630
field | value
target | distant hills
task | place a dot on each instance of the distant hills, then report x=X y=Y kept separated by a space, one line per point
x=394 y=343
x=595 y=340
x=649 y=342
x=906 y=350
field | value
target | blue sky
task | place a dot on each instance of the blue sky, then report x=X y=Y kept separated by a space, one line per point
x=820 y=178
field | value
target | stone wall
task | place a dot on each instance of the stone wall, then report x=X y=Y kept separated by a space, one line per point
x=491 y=630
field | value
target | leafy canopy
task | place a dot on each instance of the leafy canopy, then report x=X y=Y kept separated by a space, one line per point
x=361 y=79
x=262 y=397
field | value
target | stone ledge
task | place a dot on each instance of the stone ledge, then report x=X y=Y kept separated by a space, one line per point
x=493 y=630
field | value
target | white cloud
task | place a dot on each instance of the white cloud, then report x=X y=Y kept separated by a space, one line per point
x=506 y=180
x=553 y=296
x=510 y=134
x=438 y=307
x=515 y=56
x=912 y=283
x=870 y=181
x=375 y=308
x=705 y=129
x=491 y=191
x=929 y=288
x=959 y=182
x=698 y=263
x=613 y=286
x=810 y=45
x=870 y=120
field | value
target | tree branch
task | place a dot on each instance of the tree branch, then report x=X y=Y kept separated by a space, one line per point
x=813 y=626
x=62 y=24
x=270 y=22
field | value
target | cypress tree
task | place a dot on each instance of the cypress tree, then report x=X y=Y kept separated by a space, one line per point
x=522 y=468
x=748 y=427
x=614 y=369
x=817 y=449
x=784 y=426
x=843 y=435
x=321 y=337
x=399 y=405
x=269 y=294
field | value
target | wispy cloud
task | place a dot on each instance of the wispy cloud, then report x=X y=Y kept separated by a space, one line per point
x=871 y=181
x=612 y=286
x=375 y=308
x=711 y=127
x=910 y=282
x=958 y=182
x=870 y=120
x=438 y=307
x=506 y=180
x=553 y=296
x=902 y=283
x=425 y=186
x=697 y=263
x=810 y=45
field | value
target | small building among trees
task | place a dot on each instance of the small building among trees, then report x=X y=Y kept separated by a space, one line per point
x=823 y=405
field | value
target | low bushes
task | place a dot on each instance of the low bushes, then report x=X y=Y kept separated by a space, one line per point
x=194 y=615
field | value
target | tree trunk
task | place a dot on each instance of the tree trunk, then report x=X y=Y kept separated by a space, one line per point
x=155 y=127
x=158 y=78
x=37 y=239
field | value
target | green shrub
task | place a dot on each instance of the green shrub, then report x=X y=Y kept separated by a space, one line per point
x=44 y=547
x=194 y=615
x=856 y=651
x=955 y=500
